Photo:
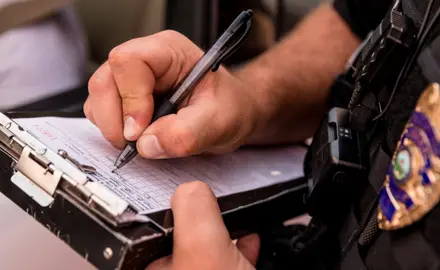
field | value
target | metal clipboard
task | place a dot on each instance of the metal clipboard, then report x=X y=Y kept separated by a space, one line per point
x=56 y=191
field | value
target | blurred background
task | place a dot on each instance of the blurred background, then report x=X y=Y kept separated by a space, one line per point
x=50 y=48
x=109 y=23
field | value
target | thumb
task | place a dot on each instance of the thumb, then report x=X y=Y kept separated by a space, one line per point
x=161 y=264
x=191 y=131
x=199 y=231
x=249 y=246
x=201 y=240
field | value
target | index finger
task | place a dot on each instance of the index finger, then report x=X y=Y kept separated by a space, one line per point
x=143 y=65
x=104 y=105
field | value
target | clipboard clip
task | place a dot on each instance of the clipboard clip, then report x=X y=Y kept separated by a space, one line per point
x=42 y=174
x=240 y=31
x=83 y=167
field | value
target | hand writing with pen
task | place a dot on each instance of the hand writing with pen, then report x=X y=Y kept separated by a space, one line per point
x=277 y=98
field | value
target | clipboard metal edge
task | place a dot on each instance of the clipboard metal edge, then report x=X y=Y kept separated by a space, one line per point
x=49 y=172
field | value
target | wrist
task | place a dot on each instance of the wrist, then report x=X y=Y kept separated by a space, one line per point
x=266 y=98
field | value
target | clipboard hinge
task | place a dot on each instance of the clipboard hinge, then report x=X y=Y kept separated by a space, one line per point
x=39 y=172
x=36 y=176
x=40 y=179
x=39 y=169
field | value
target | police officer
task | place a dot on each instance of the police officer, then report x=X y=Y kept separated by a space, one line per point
x=280 y=97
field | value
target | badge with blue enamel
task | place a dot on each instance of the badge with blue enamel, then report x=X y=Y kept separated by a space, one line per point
x=412 y=184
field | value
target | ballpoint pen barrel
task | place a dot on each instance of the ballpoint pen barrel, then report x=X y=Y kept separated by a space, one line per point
x=223 y=44
x=194 y=77
x=125 y=156
x=166 y=108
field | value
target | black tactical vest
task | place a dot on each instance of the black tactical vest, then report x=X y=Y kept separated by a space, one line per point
x=352 y=238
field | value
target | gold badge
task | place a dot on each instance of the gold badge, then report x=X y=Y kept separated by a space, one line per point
x=412 y=184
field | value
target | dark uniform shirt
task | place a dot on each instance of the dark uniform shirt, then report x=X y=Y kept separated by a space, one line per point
x=362 y=15
x=386 y=252
x=354 y=241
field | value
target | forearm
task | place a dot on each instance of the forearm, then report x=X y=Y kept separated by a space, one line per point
x=291 y=81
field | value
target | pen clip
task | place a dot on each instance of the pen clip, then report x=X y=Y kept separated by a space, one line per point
x=233 y=48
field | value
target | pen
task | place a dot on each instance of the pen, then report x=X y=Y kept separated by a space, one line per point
x=226 y=45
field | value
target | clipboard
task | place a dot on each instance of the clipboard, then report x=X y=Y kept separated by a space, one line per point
x=99 y=225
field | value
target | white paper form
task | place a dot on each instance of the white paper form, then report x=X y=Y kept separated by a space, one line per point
x=147 y=185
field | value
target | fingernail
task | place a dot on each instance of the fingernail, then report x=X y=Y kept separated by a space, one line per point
x=151 y=147
x=130 y=128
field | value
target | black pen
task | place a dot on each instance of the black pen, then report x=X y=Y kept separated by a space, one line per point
x=227 y=44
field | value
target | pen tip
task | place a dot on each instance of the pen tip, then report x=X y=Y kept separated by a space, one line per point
x=114 y=169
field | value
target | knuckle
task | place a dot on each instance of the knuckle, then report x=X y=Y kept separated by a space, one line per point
x=87 y=109
x=86 y=106
x=100 y=80
x=179 y=43
x=185 y=143
x=172 y=34
x=95 y=84
x=118 y=55
x=129 y=96
x=132 y=96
